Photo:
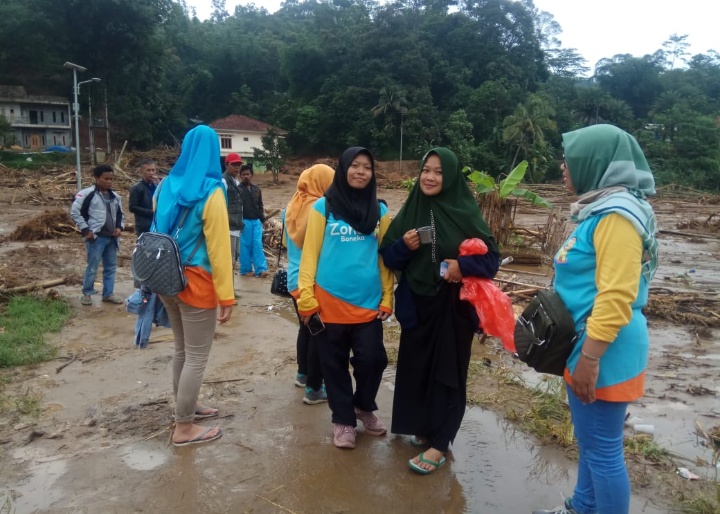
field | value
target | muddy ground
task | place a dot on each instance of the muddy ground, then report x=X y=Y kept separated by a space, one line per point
x=101 y=441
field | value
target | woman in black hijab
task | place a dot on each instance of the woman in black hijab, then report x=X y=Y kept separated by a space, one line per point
x=344 y=285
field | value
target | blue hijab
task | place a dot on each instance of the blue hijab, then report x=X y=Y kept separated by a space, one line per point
x=195 y=175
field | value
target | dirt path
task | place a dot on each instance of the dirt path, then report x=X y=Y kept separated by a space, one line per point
x=106 y=416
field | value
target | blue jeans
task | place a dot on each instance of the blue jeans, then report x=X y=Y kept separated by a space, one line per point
x=603 y=486
x=103 y=249
x=251 y=248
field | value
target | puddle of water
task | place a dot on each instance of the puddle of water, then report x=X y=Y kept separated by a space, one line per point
x=142 y=459
x=493 y=463
x=39 y=491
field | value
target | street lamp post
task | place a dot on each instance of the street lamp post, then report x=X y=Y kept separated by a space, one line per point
x=76 y=109
x=91 y=123
x=107 y=123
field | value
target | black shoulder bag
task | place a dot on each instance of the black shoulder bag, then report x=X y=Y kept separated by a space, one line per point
x=279 y=285
x=545 y=334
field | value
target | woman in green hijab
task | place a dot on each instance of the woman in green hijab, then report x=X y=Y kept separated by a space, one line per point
x=602 y=273
x=437 y=327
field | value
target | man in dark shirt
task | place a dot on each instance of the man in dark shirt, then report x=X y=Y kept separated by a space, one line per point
x=231 y=181
x=141 y=196
x=252 y=256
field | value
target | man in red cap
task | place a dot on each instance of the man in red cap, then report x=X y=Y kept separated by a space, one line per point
x=235 y=207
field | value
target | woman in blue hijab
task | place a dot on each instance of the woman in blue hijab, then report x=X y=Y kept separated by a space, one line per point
x=195 y=185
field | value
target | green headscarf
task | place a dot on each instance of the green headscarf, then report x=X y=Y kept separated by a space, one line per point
x=456 y=217
x=608 y=169
x=602 y=156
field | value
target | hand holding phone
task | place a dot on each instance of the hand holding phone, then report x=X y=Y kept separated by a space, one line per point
x=443 y=269
x=315 y=324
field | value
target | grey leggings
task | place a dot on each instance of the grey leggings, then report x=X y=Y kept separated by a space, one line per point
x=193 y=330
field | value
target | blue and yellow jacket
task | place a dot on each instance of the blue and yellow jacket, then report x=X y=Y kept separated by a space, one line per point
x=598 y=276
x=341 y=274
x=210 y=273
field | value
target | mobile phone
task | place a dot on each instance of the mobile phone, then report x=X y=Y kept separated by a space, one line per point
x=443 y=269
x=315 y=325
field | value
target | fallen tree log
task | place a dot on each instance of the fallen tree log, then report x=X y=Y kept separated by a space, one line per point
x=34 y=286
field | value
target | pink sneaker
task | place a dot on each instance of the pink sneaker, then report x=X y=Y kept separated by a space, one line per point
x=344 y=436
x=372 y=423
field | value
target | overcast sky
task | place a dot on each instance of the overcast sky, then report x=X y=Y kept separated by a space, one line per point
x=603 y=28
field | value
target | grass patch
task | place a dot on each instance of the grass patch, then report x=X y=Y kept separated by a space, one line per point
x=24 y=321
x=19 y=160
x=643 y=445
x=708 y=503
x=541 y=411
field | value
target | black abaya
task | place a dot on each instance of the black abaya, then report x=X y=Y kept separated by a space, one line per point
x=433 y=360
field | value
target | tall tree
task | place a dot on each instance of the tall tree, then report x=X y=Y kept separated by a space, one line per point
x=676 y=49
x=525 y=129
x=392 y=102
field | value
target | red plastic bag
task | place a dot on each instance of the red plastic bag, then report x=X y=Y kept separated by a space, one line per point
x=493 y=307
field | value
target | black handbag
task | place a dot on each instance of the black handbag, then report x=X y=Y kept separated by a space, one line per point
x=545 y=334
x=279 y=285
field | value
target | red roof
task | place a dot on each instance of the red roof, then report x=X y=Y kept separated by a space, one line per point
x=239 y=122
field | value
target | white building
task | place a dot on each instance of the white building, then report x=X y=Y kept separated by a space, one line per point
x=37 y=121
x=240 y=134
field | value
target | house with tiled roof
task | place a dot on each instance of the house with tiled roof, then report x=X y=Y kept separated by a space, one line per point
x=240 y=134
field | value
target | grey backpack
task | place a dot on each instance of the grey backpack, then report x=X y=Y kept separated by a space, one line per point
x=156 y=262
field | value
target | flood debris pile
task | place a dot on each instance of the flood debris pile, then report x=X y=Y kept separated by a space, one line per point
x=710 y=439
x=272 y=238
x=49 y=225
x=687 y=308
x=44 y=186
x=710 y=223
x=20 y=270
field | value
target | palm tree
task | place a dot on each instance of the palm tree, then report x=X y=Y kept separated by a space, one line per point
x=392 y=101
x=526 y=126
x=590 y=106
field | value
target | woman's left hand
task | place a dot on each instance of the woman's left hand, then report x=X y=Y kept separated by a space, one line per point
x=584 y=379
x=382 y=315
x=453 y=273
x=225 y=313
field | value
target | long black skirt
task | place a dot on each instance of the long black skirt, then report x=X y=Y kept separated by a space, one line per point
x=433 y=360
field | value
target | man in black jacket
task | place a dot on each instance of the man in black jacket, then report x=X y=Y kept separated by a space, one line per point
x=233 y=162
x=251 y=244
x=141 y=196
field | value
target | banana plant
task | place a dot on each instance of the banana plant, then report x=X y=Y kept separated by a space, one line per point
x=484 y=183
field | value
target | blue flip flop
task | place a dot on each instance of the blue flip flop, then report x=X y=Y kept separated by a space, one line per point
x=422 y=458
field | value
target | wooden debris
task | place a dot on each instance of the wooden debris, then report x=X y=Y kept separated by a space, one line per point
x=522 y=272
x=34 y=286
x=276 y=504
x=688 y=308
x=63 y=366
x=689 y=234
x=34 y=435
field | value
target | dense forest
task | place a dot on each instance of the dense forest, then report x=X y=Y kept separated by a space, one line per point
x=488 y=78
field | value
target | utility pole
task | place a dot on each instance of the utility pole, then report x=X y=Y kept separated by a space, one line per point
x=107 y=123
x=91 y=131
x=76 y=107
